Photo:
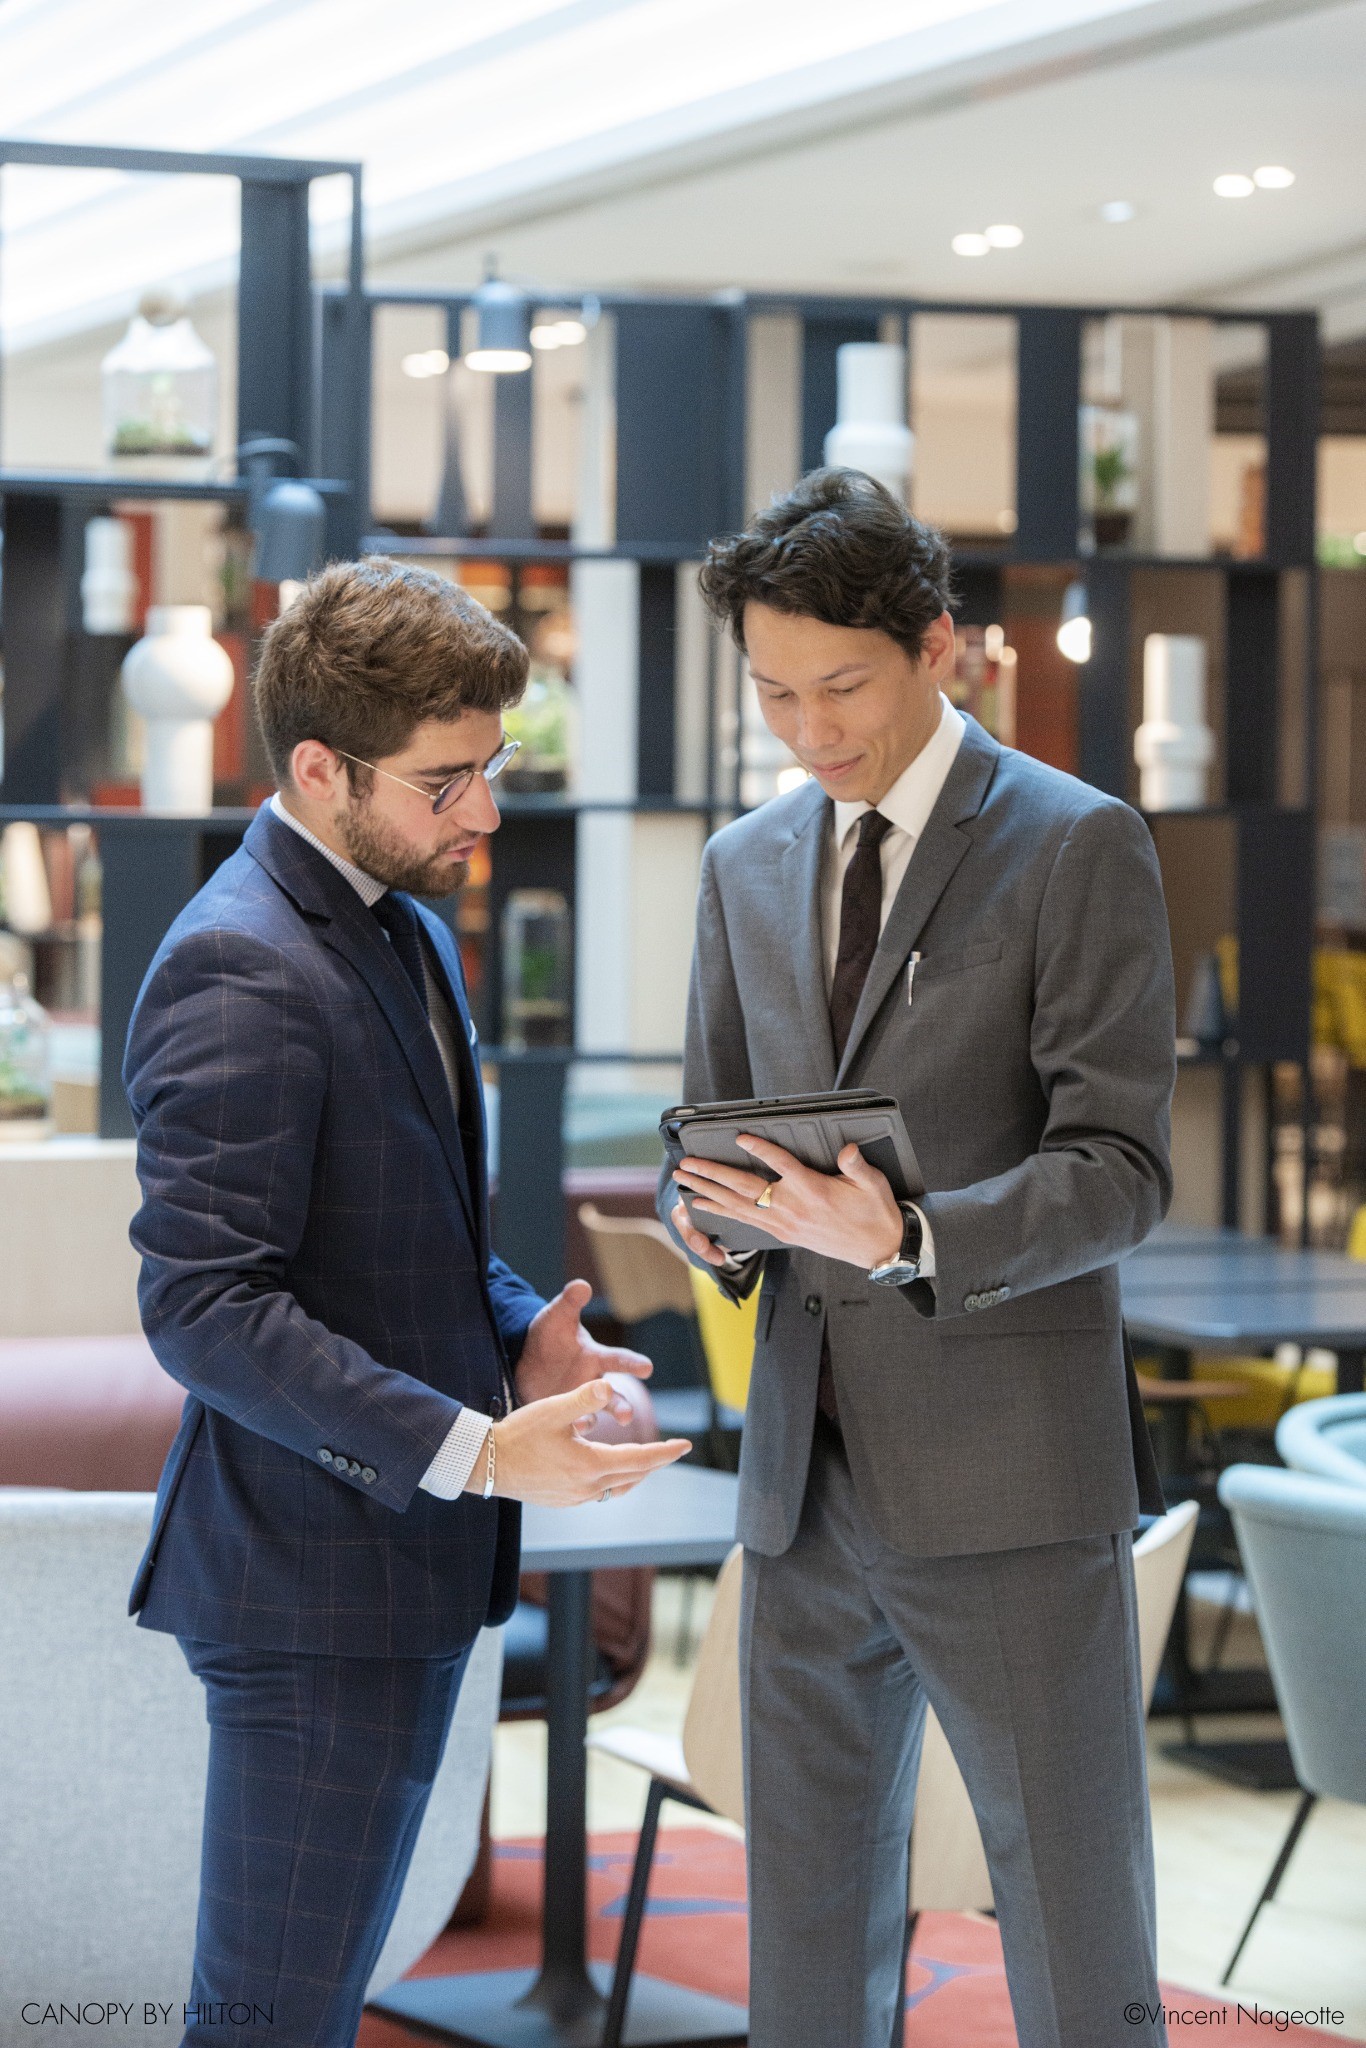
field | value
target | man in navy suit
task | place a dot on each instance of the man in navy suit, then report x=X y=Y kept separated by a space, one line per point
x=371 y=1389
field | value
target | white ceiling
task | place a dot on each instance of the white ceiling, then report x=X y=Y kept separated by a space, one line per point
x=701 y=143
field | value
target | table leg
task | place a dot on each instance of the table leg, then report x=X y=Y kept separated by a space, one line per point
x=1350 y=1369
x=563 y=1990
x=564 y=2003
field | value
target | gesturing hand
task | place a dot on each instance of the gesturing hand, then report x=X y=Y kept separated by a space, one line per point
x=541 y=1455
x=850 y=1215
x=558 y=1354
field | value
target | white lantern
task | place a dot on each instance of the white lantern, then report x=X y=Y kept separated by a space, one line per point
x=870 y=431
x=179 y=679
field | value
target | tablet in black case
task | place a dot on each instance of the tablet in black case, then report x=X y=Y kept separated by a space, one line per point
x=814 y=1128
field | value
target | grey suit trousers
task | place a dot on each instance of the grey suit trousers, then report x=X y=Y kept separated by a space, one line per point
x=1030 y=1659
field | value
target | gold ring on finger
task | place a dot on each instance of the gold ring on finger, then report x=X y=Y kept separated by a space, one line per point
x=765 y=1200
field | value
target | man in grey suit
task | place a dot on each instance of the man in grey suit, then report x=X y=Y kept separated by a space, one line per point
x=944 y=1454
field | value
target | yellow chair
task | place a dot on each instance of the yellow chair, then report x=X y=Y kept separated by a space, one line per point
x=727 y=1333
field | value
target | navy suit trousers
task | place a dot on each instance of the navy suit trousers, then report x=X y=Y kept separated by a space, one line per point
x=319 y=1773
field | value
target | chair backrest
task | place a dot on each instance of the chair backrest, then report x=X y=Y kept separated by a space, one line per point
x=1303 y=1545
x=103 y=1753
x=1160 y=1558
x=727 y=1331
x=712 y=1741
x=948 y=1864
x=640 y=1268
x=1327 y=1438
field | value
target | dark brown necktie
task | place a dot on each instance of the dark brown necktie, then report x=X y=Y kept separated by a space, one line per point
x=860 y=928
x=860 y=925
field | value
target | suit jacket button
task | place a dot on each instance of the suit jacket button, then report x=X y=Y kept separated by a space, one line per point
x=971 y=1301
x=354 y=1468
x=1003 y=1294
x=812 y=1304
x=325 y=1455
x=367 y=1473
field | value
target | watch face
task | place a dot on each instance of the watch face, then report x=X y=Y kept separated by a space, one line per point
x=899 y=1274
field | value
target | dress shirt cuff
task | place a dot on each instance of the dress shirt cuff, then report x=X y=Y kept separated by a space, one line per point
x=449 y=1471
x=926 y=1244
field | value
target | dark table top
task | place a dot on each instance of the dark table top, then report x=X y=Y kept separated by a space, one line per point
x=1238 y=1318
x=684 y=1515
x=1223 y=1291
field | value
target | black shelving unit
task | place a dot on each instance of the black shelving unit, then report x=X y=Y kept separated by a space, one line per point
x=44 y=513
x=681 y=403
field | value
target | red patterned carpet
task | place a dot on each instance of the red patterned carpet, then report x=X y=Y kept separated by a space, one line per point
x=694 y=1934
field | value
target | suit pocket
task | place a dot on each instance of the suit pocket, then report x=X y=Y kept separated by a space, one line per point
x=955 y=959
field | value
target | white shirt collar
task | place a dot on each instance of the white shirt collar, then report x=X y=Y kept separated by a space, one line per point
x=365 y=886
x=915 y=792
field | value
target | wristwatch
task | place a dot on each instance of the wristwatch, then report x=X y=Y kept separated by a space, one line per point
x=905 y=1267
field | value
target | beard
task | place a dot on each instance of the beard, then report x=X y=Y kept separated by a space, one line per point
x=376 y=848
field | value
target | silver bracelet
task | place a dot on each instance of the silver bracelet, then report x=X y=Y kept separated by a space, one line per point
x=492 y=1466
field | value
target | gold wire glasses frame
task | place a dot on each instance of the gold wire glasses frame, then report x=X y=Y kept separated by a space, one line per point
x=449 y=792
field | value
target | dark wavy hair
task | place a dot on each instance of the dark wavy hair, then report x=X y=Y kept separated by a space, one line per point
x=839 y=548
x=369 y=650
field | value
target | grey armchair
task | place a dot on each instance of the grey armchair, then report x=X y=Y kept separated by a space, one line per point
x=103 y=1749
x=1327 y=1438
x=1303 y=1544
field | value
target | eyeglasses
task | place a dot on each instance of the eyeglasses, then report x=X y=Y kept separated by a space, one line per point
x=449 y=792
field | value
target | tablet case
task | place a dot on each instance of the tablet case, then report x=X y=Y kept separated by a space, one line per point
x=814 y=1128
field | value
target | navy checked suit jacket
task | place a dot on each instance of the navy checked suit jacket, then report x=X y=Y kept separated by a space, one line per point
x=316 y=1272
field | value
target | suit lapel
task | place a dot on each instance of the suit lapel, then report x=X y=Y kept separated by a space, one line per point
x=326 y=897
x=801 y=898
x=933 y=862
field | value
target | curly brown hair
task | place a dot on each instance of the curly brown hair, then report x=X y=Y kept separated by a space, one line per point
x=839 y=548
x=368 y=651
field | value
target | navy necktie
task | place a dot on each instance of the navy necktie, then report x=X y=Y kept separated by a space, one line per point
x=399 y=919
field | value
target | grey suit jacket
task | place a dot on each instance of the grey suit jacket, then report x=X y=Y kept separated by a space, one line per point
x=1034 y=1063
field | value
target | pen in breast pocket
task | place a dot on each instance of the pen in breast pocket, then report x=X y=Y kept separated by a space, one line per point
x=911 y=966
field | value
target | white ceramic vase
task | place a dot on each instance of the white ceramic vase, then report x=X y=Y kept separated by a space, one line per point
x=870 y=431
x=179 y=679
x=1173 y=747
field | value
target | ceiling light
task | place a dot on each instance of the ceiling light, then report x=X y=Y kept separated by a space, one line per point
x=504 y=341
x=1003 y=236
x=1074 y=632
x=426 y=362
x=1359 y=543
x=1234 y=185
x=558 y=333
x=1117 y=211
x=1273 y=177
x=971 y=245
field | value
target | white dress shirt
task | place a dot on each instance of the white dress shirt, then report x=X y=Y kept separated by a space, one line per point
x=450 y=1469
x=907 y=805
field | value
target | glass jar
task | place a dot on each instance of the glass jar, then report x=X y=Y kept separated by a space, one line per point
x=25 y=1063
x=1109 y=446
x=537 y=969
x=160 y=388
x=546 y=723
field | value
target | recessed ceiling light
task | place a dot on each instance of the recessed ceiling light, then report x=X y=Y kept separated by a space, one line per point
x=1003 y=236
x=1234 y=185
x=426 y=362
x=971 y=245
x=1117 y=211
x=1273 y=177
